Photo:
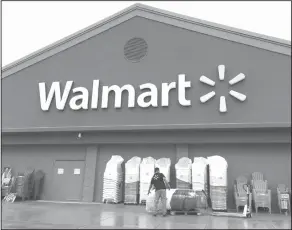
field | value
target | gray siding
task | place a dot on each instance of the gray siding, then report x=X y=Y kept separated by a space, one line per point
x=171 y=51
x=40 y=157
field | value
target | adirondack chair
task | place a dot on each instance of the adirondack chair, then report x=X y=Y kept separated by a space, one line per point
x=241 y=179
x=257 y=176
x=261 y=195
x=240 y=195
x=283 y=198
x=239 y=192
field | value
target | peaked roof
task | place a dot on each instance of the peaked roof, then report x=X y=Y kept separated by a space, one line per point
x=213 y=29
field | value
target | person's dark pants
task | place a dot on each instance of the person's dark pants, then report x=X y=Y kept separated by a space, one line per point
x=160 y=194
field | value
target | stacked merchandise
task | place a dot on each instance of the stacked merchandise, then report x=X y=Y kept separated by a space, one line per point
x=132 y=180
x=218 y=182
x=38 y=183
x=146 y=172
x=150 y=205
x=24 y=184
x=164 y=167
x=200 y=175
x=183 y=169
x=7 y=181
x=113 y=180
x=188 y=200
x=179 y=200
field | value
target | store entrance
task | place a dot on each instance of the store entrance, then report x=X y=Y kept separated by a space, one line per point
x=68 y=180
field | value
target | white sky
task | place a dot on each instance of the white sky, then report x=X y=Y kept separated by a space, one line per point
x=29 y=26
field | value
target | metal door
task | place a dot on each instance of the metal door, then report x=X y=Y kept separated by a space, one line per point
x=68 y=180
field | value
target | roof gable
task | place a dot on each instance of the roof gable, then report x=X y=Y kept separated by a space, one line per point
x=224 y=32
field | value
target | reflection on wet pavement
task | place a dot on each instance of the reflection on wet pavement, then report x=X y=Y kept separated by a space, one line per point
x=46 y=215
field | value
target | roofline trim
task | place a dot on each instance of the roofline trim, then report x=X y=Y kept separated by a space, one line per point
x=150 y=127
x=213 y=29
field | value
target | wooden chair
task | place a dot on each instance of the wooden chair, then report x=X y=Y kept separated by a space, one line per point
x=283 y=196
x=241 y=180
x=257 y=176
x=261 y=195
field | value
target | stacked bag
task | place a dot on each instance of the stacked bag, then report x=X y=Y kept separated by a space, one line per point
x=199 y=174
x=164 y=166
x=146 y=172
x=132 y=180
x=150 y=205
x=113 y=180
x=179 y=200
x=183 y=169
x=218 y=182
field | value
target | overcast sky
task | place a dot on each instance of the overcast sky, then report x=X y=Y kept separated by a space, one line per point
x=29 y=26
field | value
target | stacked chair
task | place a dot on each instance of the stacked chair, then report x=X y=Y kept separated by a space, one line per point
x=132 y=180
x=183 y=172
x=240 y=193
x=260 y=193
x=7 y=182
x=283 y=198
x=38 y=184
x=24 y=184
x=113 y=180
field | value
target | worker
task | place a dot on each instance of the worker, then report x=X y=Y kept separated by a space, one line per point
x=160 y=183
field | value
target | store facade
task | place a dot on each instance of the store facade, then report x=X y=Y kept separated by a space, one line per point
x=132 y=85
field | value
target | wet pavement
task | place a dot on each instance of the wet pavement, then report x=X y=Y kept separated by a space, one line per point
x=39 y=215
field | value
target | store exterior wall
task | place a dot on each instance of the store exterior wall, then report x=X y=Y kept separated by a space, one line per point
x=40 y=157
x=171 y=51
x=257 y=129
x=273 y=160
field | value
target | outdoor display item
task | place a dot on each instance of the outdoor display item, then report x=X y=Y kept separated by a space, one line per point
x=132 y=180
x=113 y=180
x=247 y=208
x=24 y=184
x=38 y=184
x=7 y=182
x=218 y=182
x=6 y=176
x=146 y=173
x=181 y=200
x=150 y=205
x=183 y=169
x=283 y=198
x=10 y=198
x=200 y=174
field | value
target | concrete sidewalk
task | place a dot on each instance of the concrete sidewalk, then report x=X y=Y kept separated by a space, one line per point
x=21 y=215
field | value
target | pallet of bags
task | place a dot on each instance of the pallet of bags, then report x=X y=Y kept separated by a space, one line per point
x=218 y=182
x=146 y=173
x=183 y=172
x=150 y=201
x=200 y=174
x=179 y=200
x=164 y=167
x=113 y=180
x=132 y=180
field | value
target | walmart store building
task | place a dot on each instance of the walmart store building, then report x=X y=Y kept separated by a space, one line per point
x=146 y=82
